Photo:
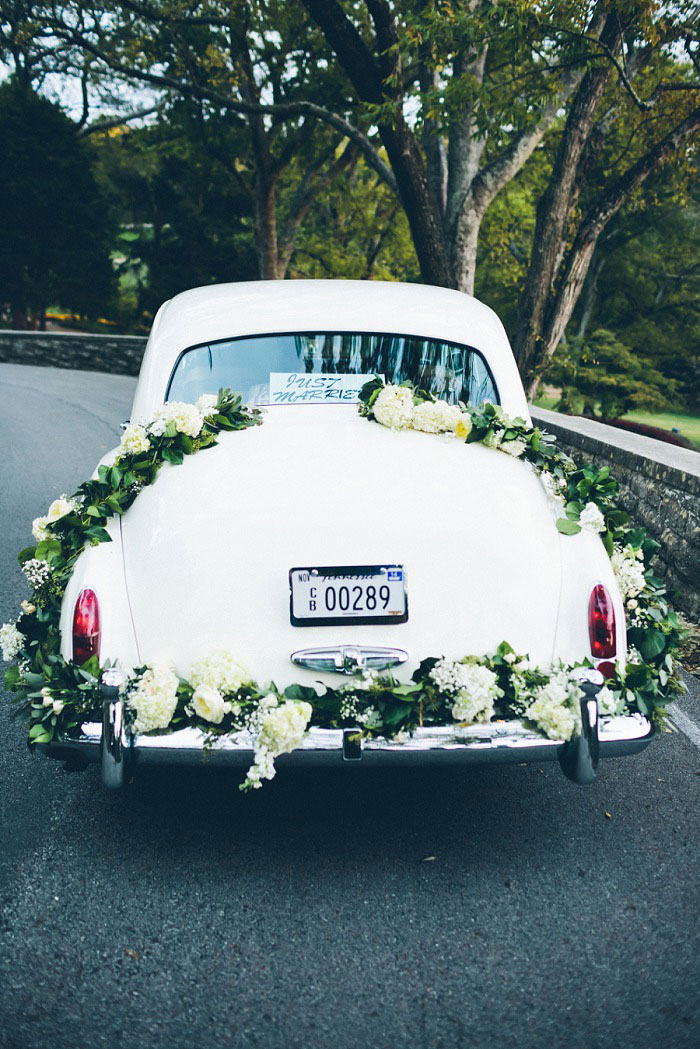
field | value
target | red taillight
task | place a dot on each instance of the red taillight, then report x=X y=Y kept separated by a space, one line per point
x=601 y=623
x=86 y=627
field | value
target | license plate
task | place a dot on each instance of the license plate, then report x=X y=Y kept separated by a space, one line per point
x=357 y=594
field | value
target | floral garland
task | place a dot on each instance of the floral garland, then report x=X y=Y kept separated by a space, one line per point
x=220 y=697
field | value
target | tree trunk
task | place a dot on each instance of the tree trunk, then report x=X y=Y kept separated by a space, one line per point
x=553 y=207
x=369 y=74
x=562 y=299
x=419 y=204
x=590 y=294
x=464 y=248
x=266 y=224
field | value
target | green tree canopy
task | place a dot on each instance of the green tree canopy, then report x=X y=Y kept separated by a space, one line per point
x=56 y=230
x=610 y=378
x=184 y=220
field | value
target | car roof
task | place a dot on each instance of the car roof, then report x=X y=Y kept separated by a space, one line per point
x=226 y=311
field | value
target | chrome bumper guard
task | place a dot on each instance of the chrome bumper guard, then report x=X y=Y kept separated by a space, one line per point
x=496 y=742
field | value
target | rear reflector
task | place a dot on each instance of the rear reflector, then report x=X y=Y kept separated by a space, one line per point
x=601 y=623
x=86 y=627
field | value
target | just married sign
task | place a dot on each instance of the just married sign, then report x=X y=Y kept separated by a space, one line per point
x=318 y=388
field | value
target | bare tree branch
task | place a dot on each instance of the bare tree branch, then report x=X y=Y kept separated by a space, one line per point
x=207 y=94
x=659 y=89
x=118 y=121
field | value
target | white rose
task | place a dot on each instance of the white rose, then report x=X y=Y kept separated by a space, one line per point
x=58 y=706
x=60 y=507
x=209 y=704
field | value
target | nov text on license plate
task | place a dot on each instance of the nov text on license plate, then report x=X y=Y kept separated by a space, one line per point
x=355 y=593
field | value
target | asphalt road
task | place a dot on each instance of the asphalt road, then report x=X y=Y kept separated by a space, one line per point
x=497 y=907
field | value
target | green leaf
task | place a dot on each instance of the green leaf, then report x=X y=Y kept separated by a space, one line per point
x=100 y=534
x=172 y=455
x=12 y=678
x=48 y=550
x=37 y=730
x=567 y=527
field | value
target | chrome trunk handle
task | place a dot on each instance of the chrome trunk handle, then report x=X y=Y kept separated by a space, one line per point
x=348 y=659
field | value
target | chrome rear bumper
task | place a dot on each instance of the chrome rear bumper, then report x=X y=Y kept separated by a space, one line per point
x=496 y=742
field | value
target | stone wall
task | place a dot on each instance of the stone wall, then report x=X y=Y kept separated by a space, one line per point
x=659 y=488
x=119 y=354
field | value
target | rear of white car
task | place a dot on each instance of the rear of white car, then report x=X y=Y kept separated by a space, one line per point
x=236 y=548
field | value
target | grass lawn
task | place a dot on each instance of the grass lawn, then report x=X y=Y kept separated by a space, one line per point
x=688 y=425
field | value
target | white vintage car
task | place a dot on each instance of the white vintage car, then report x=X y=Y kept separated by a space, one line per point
x=325 y=549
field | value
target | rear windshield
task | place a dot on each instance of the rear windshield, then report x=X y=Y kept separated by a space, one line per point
x=274 y=369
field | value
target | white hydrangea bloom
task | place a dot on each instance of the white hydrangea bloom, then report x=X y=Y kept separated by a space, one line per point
x=591 y=518
x=154 y=698
x=437 y=417
x=606 y=700
x=219 y=670
x=206 y=404
x=474 y=687
x=134 y=440
x=11 y=641
x=514 y=448
x=469 y=707
x=629 y=571
x=554 y=719
x=478 y=692
x=282 y=729
x=185 y=417
x=394 y=407
x=284 y=726
x=555 y=709
x=208 y=704
x=36 y=572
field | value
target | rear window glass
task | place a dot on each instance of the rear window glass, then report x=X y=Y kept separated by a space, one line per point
x=253 y=365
